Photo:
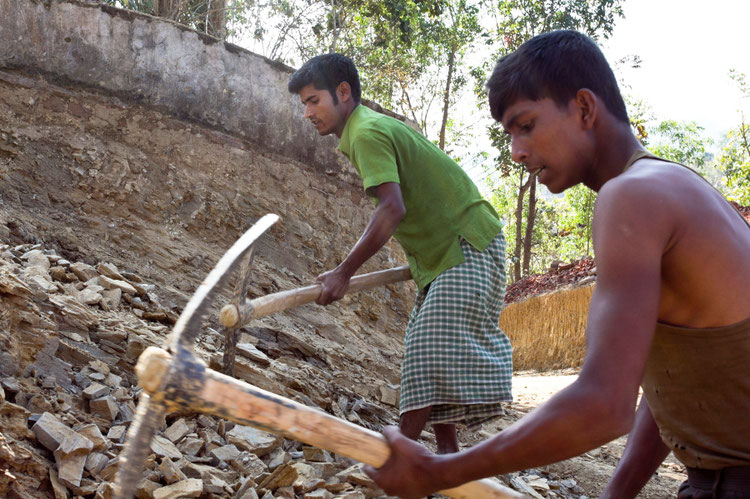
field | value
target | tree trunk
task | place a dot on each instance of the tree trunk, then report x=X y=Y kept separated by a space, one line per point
x=519 y=226
x=336 y=27
x=447 y=95
x=531 y=218
x=168 y=9
x=216 y=24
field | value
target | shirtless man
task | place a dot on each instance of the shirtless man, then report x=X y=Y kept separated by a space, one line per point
x=671 y=309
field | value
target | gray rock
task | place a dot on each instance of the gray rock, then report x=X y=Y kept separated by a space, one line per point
x=50 y=431
x=226 y=453
x=164 y=448
x=177 y=430
x=92 y=432
x=95 y=390
x=124 y=286
x=192 y=487
x=83 y=271
x=248 y=438
x=105 y=407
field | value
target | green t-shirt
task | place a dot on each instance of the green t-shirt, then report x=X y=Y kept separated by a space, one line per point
x=442 y=203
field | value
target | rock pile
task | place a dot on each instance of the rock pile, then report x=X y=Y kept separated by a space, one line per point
x=71 y=333
x=67 y=397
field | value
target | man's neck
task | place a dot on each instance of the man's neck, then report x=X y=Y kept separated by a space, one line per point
x=613 y=154
x=350 y=107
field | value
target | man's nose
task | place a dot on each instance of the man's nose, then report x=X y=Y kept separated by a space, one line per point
x=308 y=112
x=518 y=151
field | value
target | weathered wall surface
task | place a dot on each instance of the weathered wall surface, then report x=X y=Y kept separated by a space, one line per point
x=146 y=59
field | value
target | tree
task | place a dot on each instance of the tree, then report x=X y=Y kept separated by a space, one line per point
x=206 y=16
x=734 y=159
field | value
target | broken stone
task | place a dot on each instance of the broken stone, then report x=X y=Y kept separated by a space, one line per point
x=177 y=430
x=285 y=493
x=254 y=466
x=136 y=346
x=111 y=299
x=164 y=448
x=251 y=352
x=146 y=488
x=316 y=455
x=109 y=270
x=70 y=457
x=59 y=273
x=283 y=476
x=105 y=407
x=520 y=485
x=95 y=391
x=191 y=446
x=110 y=470
x=57 y=488
x=170 y=472
x=91 y=295
x=50 y=432
x=74 y=312
x=92 y=432
x=248 y=438
x=226 y=453
x=108 y=283
x=389 y=395
x=355 y=475
x=318 y=494
x=279 y=458
x=83 y=271
x=38 y=404
x=117 y=433
x=192 y=487
x=95 y=462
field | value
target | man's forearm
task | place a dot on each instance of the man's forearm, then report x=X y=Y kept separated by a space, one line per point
x=643 y=454
x=379 y=230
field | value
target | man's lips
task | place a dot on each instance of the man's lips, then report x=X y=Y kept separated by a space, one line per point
x=536 y=171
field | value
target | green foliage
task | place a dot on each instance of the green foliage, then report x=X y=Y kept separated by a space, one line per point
x=680 y=142
x=734 y=162
x=562 y=227
x=734 y=159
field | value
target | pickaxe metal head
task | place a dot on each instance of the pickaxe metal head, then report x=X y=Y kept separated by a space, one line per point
x=172 y=385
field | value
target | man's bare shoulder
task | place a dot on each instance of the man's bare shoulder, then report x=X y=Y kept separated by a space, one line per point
x=657 y=185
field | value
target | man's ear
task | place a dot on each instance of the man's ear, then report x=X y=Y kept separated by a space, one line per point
x=344 y=91
x=587 y=107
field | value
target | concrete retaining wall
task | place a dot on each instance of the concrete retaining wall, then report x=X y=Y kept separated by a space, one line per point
x=164 y=64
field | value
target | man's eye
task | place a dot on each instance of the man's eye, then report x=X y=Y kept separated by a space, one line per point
x=526 y=127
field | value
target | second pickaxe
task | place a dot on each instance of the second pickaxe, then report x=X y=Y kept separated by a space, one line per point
x=241 y=310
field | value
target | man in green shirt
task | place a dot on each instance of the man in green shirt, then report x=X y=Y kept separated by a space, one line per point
x=457 y=362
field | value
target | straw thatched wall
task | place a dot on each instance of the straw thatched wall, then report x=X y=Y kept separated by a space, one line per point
x=548 y=331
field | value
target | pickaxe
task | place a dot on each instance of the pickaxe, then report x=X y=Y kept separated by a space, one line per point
x=176 y=379
x=241 y=311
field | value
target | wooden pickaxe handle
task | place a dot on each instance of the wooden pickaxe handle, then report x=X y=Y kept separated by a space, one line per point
x=234 y=316
x=207 y=391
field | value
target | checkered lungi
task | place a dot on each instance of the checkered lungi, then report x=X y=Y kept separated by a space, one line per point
x=456 y=358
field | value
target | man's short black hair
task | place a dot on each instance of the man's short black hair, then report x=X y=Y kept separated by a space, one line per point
x=327 y=72
x=556 y=65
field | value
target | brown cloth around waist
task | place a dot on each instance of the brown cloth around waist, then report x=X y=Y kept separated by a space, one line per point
x=726 y=483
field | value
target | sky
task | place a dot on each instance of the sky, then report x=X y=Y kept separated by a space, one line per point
x=687 y=48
